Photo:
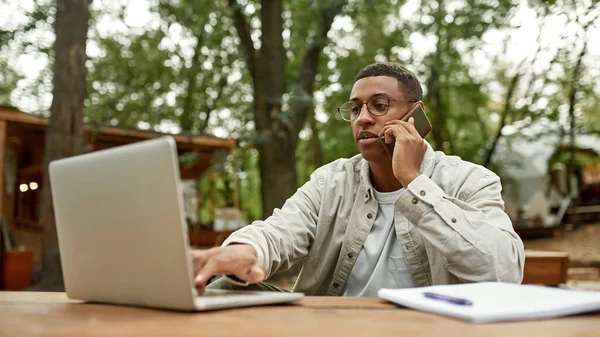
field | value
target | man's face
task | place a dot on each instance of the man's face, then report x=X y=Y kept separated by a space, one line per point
x=366 y=127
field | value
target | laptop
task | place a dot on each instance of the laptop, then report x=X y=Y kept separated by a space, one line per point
x=122 y=235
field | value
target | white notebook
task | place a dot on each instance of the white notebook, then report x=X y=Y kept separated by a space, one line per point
x=494 y=302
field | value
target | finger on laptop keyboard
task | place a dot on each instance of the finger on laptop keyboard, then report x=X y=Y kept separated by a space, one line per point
x=199 y=258
x=254 y=274
x=237 y=260
x=214 y=266
x=257 y=274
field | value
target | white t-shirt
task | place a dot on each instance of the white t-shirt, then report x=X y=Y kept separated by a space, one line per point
x=380 y=263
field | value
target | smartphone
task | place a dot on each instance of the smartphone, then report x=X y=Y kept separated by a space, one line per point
x=422 y=125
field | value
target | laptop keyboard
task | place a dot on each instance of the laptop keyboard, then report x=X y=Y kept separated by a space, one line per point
x=214 y=298
x=226 y=293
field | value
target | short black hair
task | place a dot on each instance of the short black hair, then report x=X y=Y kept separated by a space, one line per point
x=407 y=81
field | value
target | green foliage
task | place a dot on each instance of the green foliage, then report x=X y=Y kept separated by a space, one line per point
x=27 y=35
x=582 y=157
x=178 y=71
x=8 y=80
x=184 y=71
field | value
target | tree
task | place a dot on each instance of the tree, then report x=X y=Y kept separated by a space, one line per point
x=450 y=24
x=171 y=71
x=8 y=80
x=142 y=74
x=507 y=109
x=278 y=127
x=26 y=36
x=553 y=87
x=64 y=135
x=574 y=87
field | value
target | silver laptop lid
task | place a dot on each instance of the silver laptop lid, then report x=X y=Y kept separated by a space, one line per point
x=120 y=223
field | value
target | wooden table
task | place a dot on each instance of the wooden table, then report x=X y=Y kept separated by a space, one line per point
x=52 y=314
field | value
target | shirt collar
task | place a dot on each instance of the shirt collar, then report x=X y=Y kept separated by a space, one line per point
x=427 y=166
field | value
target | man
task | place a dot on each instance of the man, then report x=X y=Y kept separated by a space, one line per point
x=416 y=219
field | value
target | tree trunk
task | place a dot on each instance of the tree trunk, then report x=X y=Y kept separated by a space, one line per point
x=278 y=130
x=509 y=94
x=276 y=148
x=435 y=89
x=438 y=124
x=574 y=88
x=503 y=118
x=186 y=120
x=315 y=144
x=64 y=135
x=279 y=179
x=572 y=93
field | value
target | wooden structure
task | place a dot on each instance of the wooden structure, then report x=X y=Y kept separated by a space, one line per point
x=52 y=314
x=546 y=268
x=22 y=138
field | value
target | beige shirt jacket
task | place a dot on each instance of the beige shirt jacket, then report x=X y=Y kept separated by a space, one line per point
x=450 y=222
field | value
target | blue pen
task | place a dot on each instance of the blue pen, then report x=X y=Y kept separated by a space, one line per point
x=446 y=298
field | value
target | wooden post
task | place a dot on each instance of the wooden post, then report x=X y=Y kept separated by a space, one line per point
x=2 y=168
x=236 y=193
x=2 y=182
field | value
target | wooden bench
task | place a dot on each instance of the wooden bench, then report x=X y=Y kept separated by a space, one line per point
x=584 y=213
x=545 y=268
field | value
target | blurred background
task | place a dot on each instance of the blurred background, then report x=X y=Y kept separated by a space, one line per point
x=250 y=90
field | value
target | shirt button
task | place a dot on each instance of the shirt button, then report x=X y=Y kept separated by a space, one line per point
x=350 y=255
x=422 y=193
x=366 y=195
x=407 y=247
x=335 y=285
x=369 y=216
x=414 y=201
x=453 y=219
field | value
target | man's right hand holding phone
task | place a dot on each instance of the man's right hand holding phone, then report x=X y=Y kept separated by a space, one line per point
x=409 y=149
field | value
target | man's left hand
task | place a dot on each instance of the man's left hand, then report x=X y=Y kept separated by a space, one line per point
x=409 y=149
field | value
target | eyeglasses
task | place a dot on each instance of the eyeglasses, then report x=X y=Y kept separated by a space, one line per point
x=377 y=105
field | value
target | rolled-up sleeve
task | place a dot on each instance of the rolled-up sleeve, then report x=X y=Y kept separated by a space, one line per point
x=285 y=238
x=473 y=233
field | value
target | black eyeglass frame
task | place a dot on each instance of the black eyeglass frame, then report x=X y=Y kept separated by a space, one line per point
x=369 y=107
